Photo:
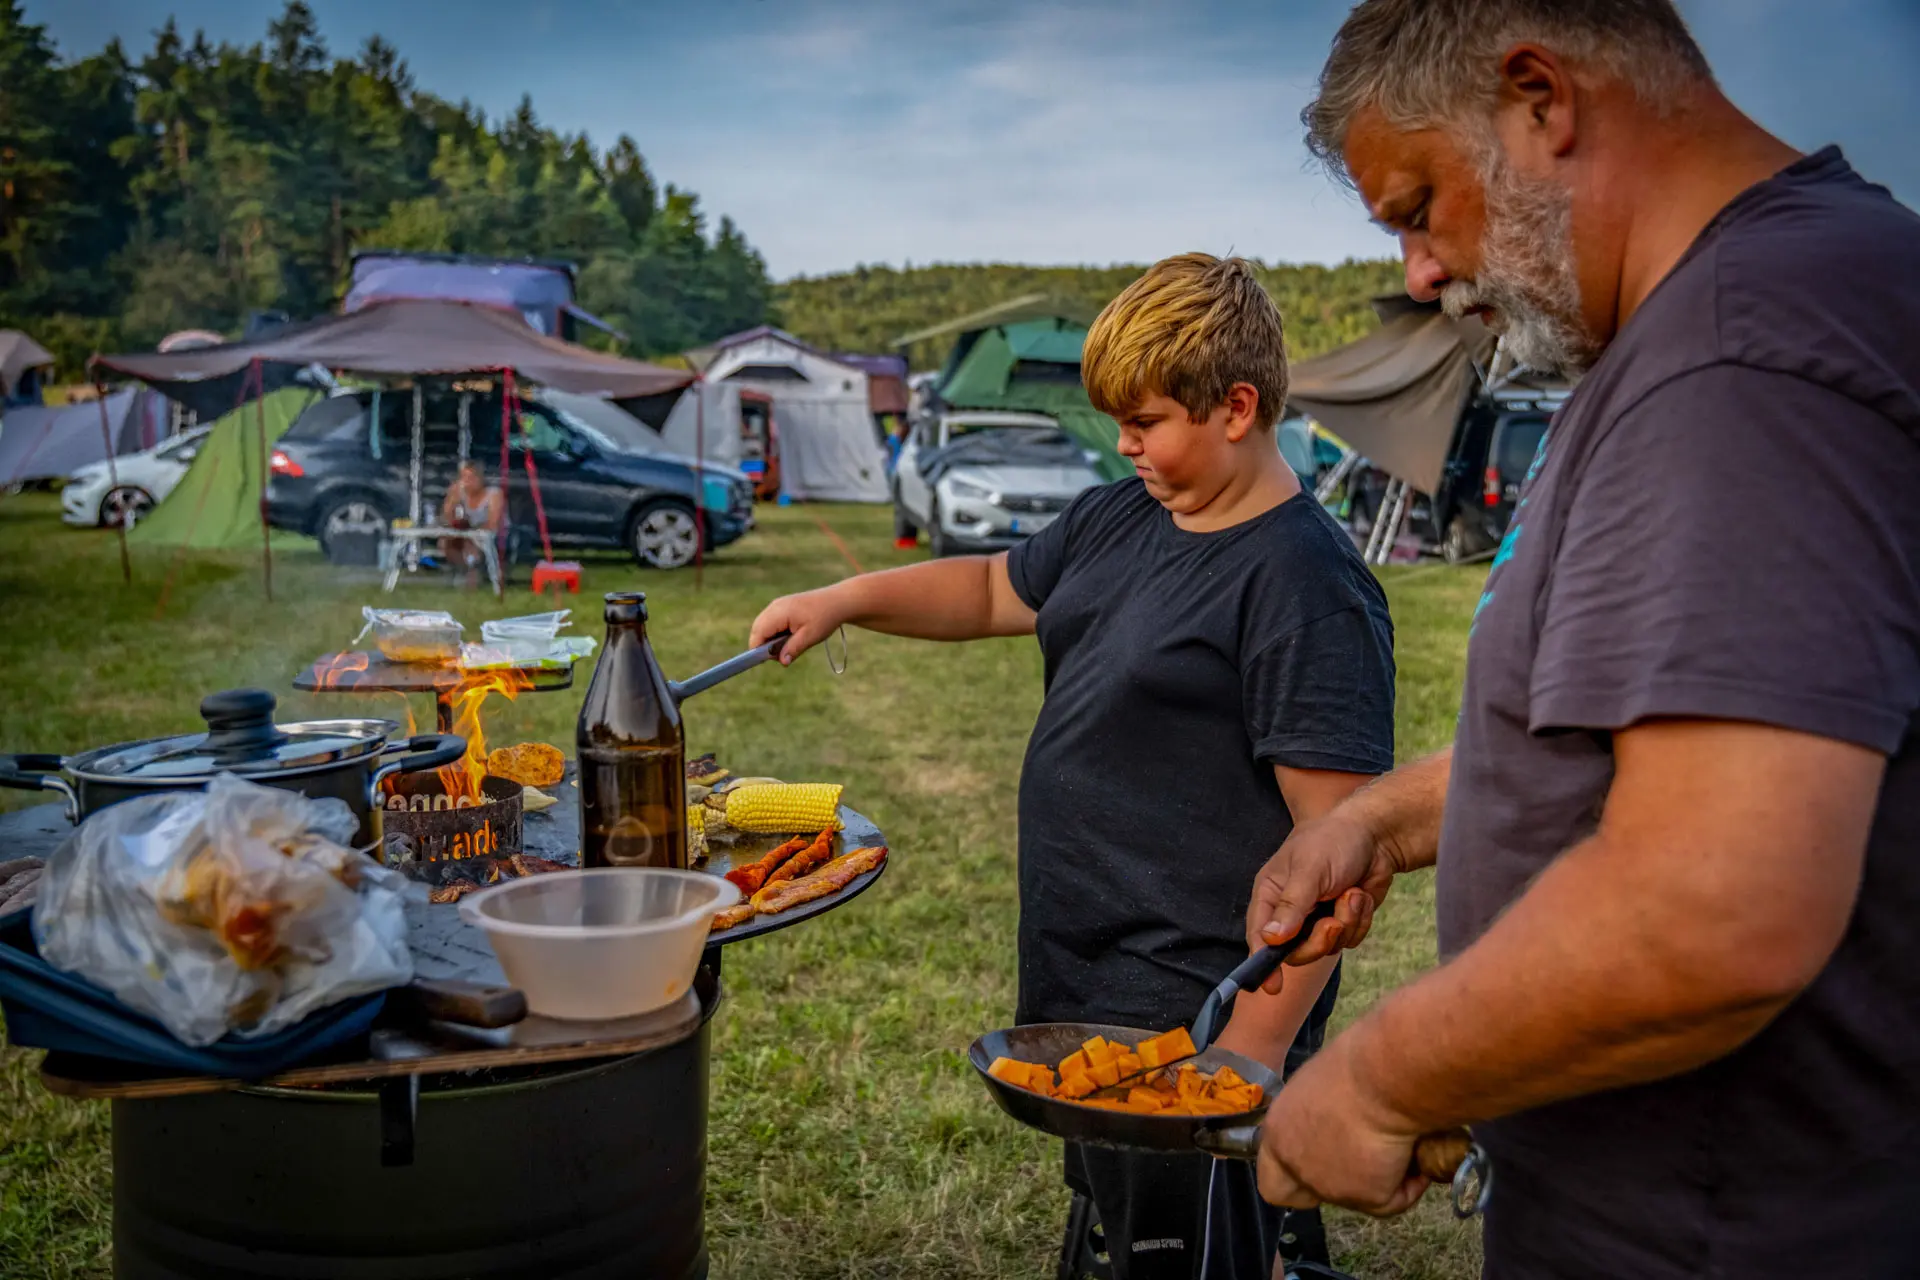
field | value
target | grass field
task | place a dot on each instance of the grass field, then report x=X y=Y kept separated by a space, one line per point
x=848 y=1137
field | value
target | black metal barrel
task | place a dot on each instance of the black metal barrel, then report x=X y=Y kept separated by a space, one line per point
x=577 y=1173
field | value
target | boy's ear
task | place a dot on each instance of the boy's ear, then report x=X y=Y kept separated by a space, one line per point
x=1243 y=410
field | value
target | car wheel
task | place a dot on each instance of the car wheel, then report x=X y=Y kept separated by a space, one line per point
x=937 y=540
x=126 y=505
x=349 y=513
x=665 y=535
x=1459 y=546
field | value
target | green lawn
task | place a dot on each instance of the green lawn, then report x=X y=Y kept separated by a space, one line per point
x=849 y=1138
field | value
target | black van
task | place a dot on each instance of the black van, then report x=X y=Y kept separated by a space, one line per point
x=335 y=473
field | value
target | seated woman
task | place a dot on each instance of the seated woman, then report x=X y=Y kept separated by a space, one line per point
x=471 y=503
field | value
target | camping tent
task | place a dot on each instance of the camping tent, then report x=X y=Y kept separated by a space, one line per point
x=707 y=423
x=829 y=447
x=47 y=442
x=23 y=366
x=1396 y=395
x=1029 y=363
x=217 y=503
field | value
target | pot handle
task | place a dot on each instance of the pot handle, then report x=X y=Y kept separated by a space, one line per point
x=1453 y=1158
x=681 y=690
x=39 y=773
x=435 y=750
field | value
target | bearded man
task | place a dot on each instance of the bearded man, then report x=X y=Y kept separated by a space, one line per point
x=1678 y=833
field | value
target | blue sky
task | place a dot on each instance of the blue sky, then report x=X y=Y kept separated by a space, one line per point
x=939 y=130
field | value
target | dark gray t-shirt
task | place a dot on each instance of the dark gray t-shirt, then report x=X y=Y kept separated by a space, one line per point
x=1181 y=668
x=1723 y=522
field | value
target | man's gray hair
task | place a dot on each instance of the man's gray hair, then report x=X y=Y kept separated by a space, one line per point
x=1432 y=62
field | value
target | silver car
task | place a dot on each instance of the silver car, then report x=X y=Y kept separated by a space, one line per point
x=977 y=480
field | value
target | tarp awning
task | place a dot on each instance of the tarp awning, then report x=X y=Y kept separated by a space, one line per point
x=411 y=337
x=1032 y=306
x=1396 y=394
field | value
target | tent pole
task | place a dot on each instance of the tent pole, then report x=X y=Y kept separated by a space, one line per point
x=1340 y=472
x=260 y=426
x=699 y=480
x=417 y=439
x=506 y=466
x=113 y=480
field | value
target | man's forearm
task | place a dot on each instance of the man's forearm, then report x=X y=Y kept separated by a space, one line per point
x=1402 y=809
x=1579 y=987
x=947 y=599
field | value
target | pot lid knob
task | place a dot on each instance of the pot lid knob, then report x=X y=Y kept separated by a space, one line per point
x=240 y=723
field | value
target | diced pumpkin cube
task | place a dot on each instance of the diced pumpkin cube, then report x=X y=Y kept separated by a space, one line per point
x=1228 y=1078
x=1078 y=1085
x=1009 y=1070
x=1166 y=1048
x=1094 y=1048
x=1106 y=1074
x=1075 y=1063
x=1130 y=1064
x=1146 y=1099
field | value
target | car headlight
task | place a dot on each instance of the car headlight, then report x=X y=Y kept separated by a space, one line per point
x=963 y=489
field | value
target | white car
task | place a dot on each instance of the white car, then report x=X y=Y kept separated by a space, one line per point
x=136 y=484
x=983 y=481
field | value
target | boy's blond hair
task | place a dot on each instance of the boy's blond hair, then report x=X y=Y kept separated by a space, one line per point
x=1188 y=329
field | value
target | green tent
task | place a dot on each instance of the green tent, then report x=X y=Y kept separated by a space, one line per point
x=217 y=503
x=1032 y=365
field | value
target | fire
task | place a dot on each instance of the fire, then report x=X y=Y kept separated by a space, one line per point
x=462 y=781
x=341 y=670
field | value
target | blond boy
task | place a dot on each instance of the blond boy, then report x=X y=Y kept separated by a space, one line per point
x=1219 y=666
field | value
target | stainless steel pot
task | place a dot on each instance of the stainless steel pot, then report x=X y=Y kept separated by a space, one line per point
x=345 y=759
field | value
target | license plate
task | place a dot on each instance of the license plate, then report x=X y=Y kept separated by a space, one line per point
x=1031 y=524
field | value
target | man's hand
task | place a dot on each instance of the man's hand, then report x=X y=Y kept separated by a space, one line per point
x=811 y=616
x=1326 y=1139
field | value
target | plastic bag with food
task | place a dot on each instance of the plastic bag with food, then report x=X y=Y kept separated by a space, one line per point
x=412 y=635
x=239 y=909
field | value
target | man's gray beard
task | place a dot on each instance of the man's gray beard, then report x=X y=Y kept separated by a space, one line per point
x=1527 y=273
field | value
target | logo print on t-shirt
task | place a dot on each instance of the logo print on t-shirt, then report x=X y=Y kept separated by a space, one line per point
x=1512 y=537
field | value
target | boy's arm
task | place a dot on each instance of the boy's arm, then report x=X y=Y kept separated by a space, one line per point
x=1264 y=1025
x=961 y=598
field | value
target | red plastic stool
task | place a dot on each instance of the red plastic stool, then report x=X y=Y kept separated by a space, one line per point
x=558 y=573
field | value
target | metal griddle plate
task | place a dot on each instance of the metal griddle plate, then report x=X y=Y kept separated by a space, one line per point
x=1049 y=1042
x=858 y=834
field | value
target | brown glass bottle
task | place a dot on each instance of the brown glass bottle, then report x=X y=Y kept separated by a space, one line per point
x=633 y=753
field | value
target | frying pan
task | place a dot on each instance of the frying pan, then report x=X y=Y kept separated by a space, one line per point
x=1451 y=1157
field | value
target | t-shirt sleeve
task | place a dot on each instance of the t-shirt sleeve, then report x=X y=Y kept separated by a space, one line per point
x=1741 y=546
x=1321 y=696
x=1035 y=565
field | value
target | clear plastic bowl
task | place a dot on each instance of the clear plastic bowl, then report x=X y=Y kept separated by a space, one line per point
x=611 y=942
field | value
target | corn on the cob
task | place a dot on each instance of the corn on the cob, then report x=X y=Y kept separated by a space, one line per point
x=696 y=833
x=785 y=807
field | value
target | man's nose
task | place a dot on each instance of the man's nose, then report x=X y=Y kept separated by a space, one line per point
x=1425 y=276
x=1130 y=445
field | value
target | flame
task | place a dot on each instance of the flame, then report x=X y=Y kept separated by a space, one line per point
x=339 y=670
x=462 y=780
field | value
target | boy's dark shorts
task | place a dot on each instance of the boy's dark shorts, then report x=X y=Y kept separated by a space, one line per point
x=1154 y=1210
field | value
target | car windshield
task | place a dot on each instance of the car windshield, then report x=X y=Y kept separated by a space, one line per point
x=594 y=435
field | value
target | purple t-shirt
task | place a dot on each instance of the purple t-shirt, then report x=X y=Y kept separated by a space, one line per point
x=1723 y=522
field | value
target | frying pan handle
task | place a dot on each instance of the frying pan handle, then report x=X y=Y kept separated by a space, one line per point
x=39 y=773
x=681 y=690
x=1253 y=971
x=434 y=751
x=1452 y=1158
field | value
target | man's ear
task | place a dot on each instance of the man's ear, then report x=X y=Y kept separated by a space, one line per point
x=1243 y=410
x=1537 y=112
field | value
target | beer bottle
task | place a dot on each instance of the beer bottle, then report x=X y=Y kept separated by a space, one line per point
x=633 y=771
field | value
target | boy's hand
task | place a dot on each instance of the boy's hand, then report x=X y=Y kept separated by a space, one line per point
x=811 y=616
x=1335 y=856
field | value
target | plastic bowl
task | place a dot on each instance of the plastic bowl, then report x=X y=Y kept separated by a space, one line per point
x=611 y=942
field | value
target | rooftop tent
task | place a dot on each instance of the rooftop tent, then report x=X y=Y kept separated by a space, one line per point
x=539 y=290
x=217 y=503
x=707 y=424
x=408 y=338
x=1031 y=364
x=829 y=447
x=46 y=442
x=886 y=380
x=1396 y=394
x=23 y=367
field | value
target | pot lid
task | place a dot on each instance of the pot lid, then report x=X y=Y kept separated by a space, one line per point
x=241 y=738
